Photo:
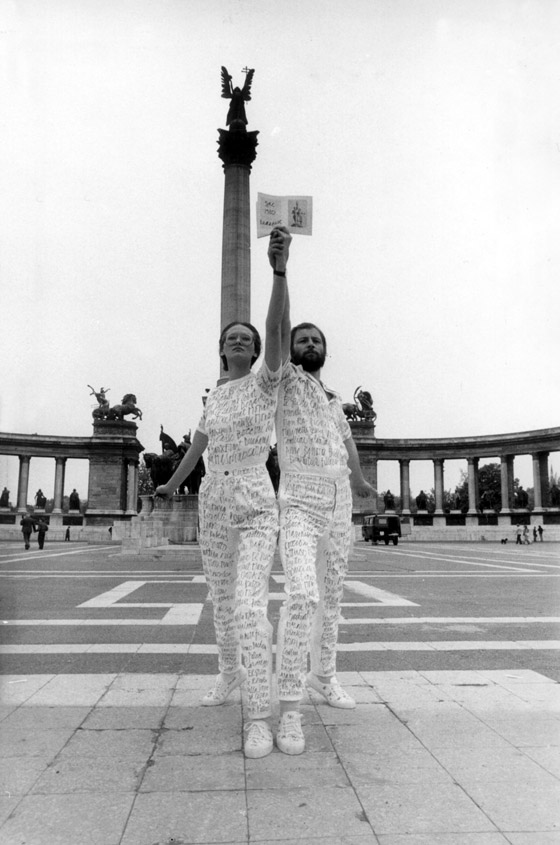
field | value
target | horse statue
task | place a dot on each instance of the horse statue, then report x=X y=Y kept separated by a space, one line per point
x=116 y=412
x=361 y=408
x=163 y=466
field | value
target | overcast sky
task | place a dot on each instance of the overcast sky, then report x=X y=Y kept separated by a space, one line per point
x=427 y=133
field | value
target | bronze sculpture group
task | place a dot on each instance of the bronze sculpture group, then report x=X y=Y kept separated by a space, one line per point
x=105 y=411
x=163 y=466
x=361 y=408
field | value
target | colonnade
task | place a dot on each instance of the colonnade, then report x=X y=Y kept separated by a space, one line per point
x=112 y=454
x=59 y=478
x=505 y=447
x=540 y=482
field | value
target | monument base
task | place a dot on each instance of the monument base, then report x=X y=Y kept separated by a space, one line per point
x=161 y=522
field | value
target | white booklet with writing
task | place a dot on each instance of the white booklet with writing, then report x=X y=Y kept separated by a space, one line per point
x=296 y=213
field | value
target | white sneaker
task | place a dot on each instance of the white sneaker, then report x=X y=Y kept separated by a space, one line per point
x=290 y=738
x=223 y=688
x=258 y=739
x=333 y=692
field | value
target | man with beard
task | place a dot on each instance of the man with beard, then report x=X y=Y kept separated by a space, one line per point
x=319 y=467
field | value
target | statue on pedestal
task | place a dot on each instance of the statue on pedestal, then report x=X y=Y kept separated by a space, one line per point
x=117 y=412
x=361 y=408
x=5 y=498
x=389 y=501
x=163 y=466
x=40 y=499
x=74 y=501
x=236 y=117
x=421 y=501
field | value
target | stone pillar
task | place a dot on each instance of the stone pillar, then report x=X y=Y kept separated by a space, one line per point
x=237 y=150
x=439 y=518
x=369 y=470
x=506 y=478
x=59 y=475
x=506 y=469
x=540 y=479
x=23 y=483
x=472 y=514
x=131 y=487
x=473 y=484
x=404 y=464
x=438 y=484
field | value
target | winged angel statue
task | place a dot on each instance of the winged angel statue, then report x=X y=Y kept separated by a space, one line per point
x=238 y=97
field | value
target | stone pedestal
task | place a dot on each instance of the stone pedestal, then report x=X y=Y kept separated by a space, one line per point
x=161 y=522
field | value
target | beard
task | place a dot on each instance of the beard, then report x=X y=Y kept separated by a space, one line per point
x=310 y=361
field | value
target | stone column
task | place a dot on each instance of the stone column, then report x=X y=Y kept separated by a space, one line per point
x=405 y=485
x=506 y=478
x=369 y=470
x=23 y=483
x=473 y=484
x=540 y=479
x=472 y=514
x=131 y=487
x=237 y=150
x=439 y=517
x=506 y=469
x=59 y=475
x=438 y=484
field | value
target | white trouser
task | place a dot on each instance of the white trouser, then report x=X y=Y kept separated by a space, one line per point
x=238 y=532
x=315 y=537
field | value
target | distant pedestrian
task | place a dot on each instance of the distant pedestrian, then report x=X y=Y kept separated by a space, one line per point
x=27 y=527
x=67 y=536
x=540 y=529
x=41 y=529
x=519 y=531
x=526 y=540
x=534 y=533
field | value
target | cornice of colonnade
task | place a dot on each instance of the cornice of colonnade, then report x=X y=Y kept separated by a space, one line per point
x=426 y=448
x=55 y=446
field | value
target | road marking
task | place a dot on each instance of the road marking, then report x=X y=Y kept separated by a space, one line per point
x=179 y=613
x=32 y=554
x=435 y=556
x=454 y=620
x=209 y=648
x=381 y=597
x=383 y=620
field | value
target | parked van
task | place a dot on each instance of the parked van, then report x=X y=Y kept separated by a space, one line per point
x=381 y=526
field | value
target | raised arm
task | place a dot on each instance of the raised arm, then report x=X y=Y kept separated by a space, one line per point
x=190 y=460
x=357 y=481
x=278 y=253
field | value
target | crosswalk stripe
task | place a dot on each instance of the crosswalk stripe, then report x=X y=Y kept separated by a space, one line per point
x=208 y=648
x=380 y=620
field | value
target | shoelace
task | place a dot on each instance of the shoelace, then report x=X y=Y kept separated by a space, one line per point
x=291 y=726
x=256 y=732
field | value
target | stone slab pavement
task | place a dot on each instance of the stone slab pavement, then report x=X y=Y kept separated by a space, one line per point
x=427 y=758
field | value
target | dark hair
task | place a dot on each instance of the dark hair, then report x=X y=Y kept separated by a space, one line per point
x=307 y=326
x=256 y=340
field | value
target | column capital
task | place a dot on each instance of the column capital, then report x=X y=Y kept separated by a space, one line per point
x=237 y=148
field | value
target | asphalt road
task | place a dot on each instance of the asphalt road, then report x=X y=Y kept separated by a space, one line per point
x=73 y=608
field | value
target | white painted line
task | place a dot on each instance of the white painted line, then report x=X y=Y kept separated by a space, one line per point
x=381 y=596
x=380 y=620
x=487 y=562
x=453 y=620
x=61 y=623
x=208 y=648
x=43 y=555
x=185 y=613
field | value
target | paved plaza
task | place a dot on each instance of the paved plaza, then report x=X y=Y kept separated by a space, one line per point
x=451 y=651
